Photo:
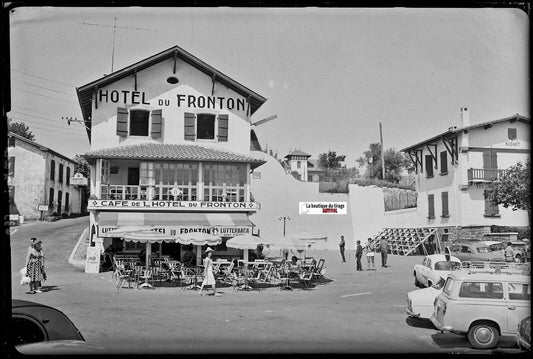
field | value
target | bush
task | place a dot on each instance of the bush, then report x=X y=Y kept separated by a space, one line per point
x=55 y=214
x=64 y=215
x=523 y=232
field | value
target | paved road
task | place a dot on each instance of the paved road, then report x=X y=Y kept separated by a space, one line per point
x=362 y=312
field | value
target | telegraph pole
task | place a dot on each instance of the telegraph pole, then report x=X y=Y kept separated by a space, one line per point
x=382 y=152
x=284 y=219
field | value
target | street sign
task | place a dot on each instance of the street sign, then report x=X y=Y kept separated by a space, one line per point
x=78 y=180
x=43 y=207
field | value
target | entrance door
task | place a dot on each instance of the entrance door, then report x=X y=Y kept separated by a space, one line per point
x=133 y=176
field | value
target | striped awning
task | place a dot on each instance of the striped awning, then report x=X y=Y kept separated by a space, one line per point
x=174 y=224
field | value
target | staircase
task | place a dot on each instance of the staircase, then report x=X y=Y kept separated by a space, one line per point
x=405 y=241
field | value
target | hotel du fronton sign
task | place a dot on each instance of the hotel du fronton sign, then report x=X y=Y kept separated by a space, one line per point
x=173 y=205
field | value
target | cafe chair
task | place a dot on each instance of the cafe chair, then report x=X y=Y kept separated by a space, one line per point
x=121 y=275
x=306 y=276
x=147 y=276
x=319 y=270
x=187 y=277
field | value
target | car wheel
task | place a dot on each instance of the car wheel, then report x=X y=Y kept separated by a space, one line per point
x=417 y=283
x=483 y=336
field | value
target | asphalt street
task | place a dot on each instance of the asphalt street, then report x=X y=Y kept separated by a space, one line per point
x=355 y=312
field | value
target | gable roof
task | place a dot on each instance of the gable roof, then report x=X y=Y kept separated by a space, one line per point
x=297 y=153
x=85 y=92
x=40 y=147
x=453 y=130
x=168 y=151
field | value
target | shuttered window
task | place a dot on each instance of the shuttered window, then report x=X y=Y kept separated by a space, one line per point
x=139 y=122
x=205 y=129
x=431 y=206
x=68 y=176
x=491 y=209
x=67 y=199
x=443 y=162
x=222 y=128
x=60 y=175
x=429 y=166
x=190 y=126
x=51 y=198
x=122 y=121
x=157 y=123
x=11 y=166
x=445 y=211
x=490 y=165
x=52 y=170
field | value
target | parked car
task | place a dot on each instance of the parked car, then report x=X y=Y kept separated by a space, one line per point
x=60 y=347
x=523 y=338
x=495 y=246
x=519 y=250
x=433 y=268
x=483 y=304
x=475 y=251
x=420 y=301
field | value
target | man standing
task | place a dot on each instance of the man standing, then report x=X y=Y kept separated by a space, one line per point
x=358 y=255
x=341 y=247
x=509 y=253
x=370 y=255
x=384 y=249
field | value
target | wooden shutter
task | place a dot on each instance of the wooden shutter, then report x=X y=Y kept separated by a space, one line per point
x=431 y=206
x=222 y=128
x=443 y=162
x=157 y=123
x=122 y=121
x=445 y=211
x=429 y=166
x=11 y=166
x=190 y=128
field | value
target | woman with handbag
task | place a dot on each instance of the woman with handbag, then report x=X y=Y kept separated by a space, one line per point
x=35 y=266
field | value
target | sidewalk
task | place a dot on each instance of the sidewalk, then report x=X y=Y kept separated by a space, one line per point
x=79 y=252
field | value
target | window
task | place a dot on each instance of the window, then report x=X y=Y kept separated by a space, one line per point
x=104 y=174
x=431 y=206
x=51 y=198
x=26 y=331
x=491 y=209
x=68 y=176
x=481 y=290
x=184 y=176
x=206 y=127
x=519 y=291
x=448 y=286
x=224 y=182
x=511 y=133
x=444 y=198
x=59 y=200
x=444 y=265
x=11 y=166
x=67 y=198
x=147 y=174
x=465 y=249
x=483 y=250
x=139 y=122
x=429 y=166
x=11 y=141
x=443 y=163
x=298 y=164
x=60 y=175
x=52 y=170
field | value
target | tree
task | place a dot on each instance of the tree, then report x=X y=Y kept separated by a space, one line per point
x=20 y=129
x=395 y=163
x=512 y=188
x=331 y=163
x=82 y=166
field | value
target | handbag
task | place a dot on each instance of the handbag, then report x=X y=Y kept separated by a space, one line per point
x=24 y=279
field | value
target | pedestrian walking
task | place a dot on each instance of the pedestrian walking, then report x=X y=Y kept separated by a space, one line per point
x=342 y=244
x=35 y=266
x=209 y=277
x=509 y=253
x=384 y=250
x=370 y=255
x=358 y=255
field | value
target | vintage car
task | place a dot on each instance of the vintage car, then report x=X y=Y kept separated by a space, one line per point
x=523 y=338
x=483 y=304
x=475 y=251
x=420 y=301
x=519 y=250
x=40 y=329
x=433 y=268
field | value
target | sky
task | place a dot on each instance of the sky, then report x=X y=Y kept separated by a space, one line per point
x=330 y=75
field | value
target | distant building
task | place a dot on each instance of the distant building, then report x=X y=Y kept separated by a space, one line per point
x=296 y=162
x=315 y=173
x=40 y=176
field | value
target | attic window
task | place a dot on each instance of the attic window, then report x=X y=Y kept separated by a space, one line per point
x=139 y=121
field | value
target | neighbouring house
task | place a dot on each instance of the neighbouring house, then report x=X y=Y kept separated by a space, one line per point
x=315 y=173
x=171 y=152
x=39 y=181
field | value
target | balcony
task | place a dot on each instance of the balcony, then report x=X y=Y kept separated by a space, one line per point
x=476 y=175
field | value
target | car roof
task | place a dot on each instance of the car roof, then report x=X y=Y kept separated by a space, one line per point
x=465 y=274
x=19 y=303
x=472 y=244
x=442 y=257
x=489 y=243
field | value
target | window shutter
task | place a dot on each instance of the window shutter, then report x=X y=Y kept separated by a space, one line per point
x=494 y=160
x=443 y=162
x=223 y=128
x=11 y=167
x=431 y=206
x=122 y=121
x=190 y=130
x=445 y=212
x=429 y=166
x=157 y=123
x=68 y=176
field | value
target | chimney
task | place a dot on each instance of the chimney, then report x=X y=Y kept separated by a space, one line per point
x=465 y=117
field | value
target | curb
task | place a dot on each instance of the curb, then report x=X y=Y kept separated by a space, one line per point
x=71 y=259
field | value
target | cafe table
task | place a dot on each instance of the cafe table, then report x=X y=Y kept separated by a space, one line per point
x=197 y=270
x=244 y=272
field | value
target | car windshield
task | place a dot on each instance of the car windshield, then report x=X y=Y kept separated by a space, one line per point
x=496 y=247
x=483 y=249
x=444 y=265
x=448 y=286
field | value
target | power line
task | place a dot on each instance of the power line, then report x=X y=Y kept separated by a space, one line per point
x=36 y=123
x=40 y=94
x=43 y=78
x=46 y=88
x=39 y=117
x=32 y=110
x=47 y=129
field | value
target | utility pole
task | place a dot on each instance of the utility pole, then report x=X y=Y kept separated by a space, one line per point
x=70 y=120
x=284 y=219
x=382 y=152
x=115 y=27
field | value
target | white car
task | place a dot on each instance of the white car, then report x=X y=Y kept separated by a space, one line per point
x=433 y=268
x=420 y=301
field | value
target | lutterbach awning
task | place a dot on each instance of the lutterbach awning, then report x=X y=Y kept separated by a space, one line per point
x=174 y=224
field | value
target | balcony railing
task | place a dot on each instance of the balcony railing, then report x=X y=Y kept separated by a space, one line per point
x=484 y=175
x=163 y=193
